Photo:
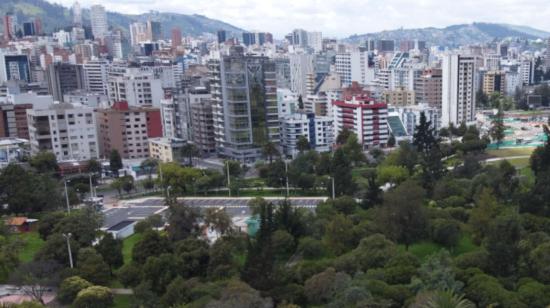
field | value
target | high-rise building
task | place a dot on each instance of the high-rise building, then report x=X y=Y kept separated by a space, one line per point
x=244 y=94
x=63 y=78
x=28 y=28
x=494 y=81
x=527 y=71
x=315 y=41
x=96 y=76
x=10 y=27
x=363 y=116
x=399 y=97
x=77 y=14
x=202 y=120
x=137 y=86
x=38 y=26
x=428 y=87
x=66 y=130
x=222 y=36
x=176 y=37
x=127 y=129
x=154 y=30
x=138 y=33
x=354 y=66
x=459 y=91
x=301 y=65
x=249 y=38
x=99 y=21
x=14 y=67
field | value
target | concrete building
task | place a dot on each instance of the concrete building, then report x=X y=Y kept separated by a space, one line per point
x=527 y=71
x=98 y=17
x=13 y=121
x=68 y=131
x=315 y=41
x=428 y=87
x=77 y=14
x=459 y=93
x=244 y=94
x=301 y=66
x=166 y=149
x=138 y=33
x=317 y=104
x=96 y=76
x=363 y=116
x=399 y=97
x=287 y=102
x=154 y=31
x=354 y=66
x=85 y=98
x=202 y=132
x=63 y=78
x=14 y=67
x=410 y=116
x=494 y=81
x=127 y=129
x=10 y=27
x=318 y=130
x=135 y=85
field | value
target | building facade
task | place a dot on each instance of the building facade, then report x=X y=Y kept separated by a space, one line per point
x=318 y=130
x=459 y=91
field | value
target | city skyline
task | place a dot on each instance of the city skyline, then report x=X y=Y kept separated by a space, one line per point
x=280 y=17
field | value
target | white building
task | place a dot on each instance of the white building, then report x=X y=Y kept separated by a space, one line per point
x=315 y=41
x=137 y=86
x=98 y=18
x=138 y=33
x=67 y=130
x=527 y=71
x=287 y=102
x=410 y=116
x=301 y=65
x=319 y=131
x=459 y=93
x=513 y=82
x=62 y=37
x=96 y=73
x=354 y=66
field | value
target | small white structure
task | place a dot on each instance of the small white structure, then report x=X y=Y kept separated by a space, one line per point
x=123 y=229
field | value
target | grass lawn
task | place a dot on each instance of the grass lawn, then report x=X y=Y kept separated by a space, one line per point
x=128 y=245
x=31 y=244
x=122 y=301
x=516 y=162
x=511 y=152
x=425 y=248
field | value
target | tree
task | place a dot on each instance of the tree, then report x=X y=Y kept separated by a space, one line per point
x=36 y=278
x=540 y=259
x=300 y=103
x=190 y=150
x=127 y=183
x=239 y=294
x=270 y=150
x=47 y=223
x=446 y=298
x=502 y=244
x=436 y=273
x=373 y=194
x=338 y=236
x=94 y=297
x=9 y=255
x=391 y=141
x=497 y=128
x=115 y=162
x=482 y=99
x=69 y=288
x=485 y=210
x=55 y=249
x=424 y=138
x=151 y=244
x=302 y=144
x=117 y=184
x=353 y=149
x=401 y=216
x=341 y=173
x=446 y=232
x=182 y=222
x=94 y=166
x=343 y=136
x=323 y=287
x=91 y=266
x=218 y=220
x=149 y=165
x=44 y=162
x=159 y=271
x=82 y=224
x=111 y=251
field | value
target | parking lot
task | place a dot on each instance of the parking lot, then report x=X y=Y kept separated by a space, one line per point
x=139 y=209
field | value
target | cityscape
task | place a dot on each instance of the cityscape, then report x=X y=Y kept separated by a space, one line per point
x=163 y=159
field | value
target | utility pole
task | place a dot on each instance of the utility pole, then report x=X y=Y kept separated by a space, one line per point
x=67 y=236
x=67 y=196
x=286 y=173
x=333 y=191
x=91 y=187
x=228 y=178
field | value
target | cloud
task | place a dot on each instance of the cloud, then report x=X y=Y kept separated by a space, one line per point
x=342 y=18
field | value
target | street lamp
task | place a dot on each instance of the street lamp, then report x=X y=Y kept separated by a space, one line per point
x=67 y=237
x=333 y=190
x=286 y=173
x=67 y=196
x=228 y=178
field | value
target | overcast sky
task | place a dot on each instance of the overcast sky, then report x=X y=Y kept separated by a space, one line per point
x=342 y=18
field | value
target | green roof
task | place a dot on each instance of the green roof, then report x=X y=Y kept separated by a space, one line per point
x=396 y=126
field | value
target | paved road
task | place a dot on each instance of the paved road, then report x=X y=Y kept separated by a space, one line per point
x=506 y=158
x=115 y=215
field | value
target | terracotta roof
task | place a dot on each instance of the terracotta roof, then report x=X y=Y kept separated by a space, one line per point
x=16 y=221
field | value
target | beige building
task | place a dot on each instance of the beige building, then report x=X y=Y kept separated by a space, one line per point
x=428 y=87
x=494 y=81
x=165 y=149
x=399 y=97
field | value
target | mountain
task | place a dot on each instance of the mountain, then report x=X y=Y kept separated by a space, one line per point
x=456 y=35
x=55 y=16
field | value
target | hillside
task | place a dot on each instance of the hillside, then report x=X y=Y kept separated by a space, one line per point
x=458 y=34
x=55 y=16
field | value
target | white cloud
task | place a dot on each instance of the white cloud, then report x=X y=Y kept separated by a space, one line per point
x=342 y=18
